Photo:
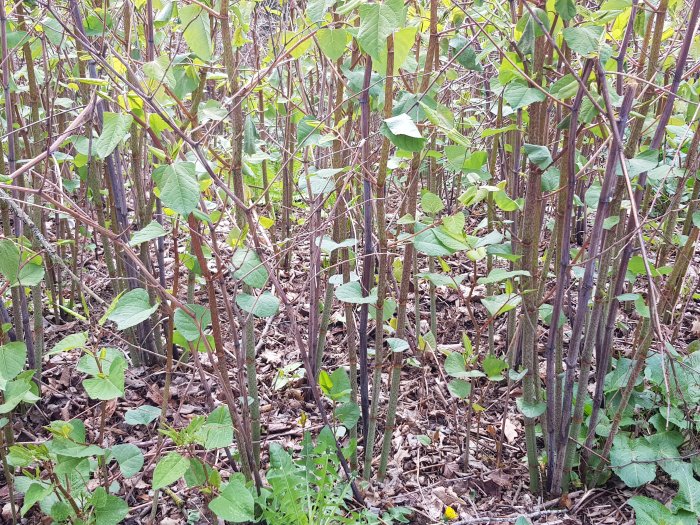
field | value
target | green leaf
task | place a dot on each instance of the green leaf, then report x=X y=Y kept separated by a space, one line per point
x=637 y=266
x=234 y=504
x=250 y=136
x=12 y=358
x=696 y=219
x=545 y=313
x=333 y=42
x=404 y=39
x=73 y=445
x=645 y=161
x=516 y=376
x=217 y=432
x=36 y=492
x=504 y=202
x=169 y=469
x=296 y=43
x=129 y=458
x=377 y=22
x=9 y=260
x=249 y=268
x=499 y=274
x=519 y=95
x=431 y=203
x=132 y=308
x=19 y=268
x=188 y=327
x=648 y=511
x=325 y=382
x=583 y=39
x=316 y=9
x=160 y=71
x=397 y=344
x=340 y=387
x=309 y=132
x=114 y=128
x=352 y=293
x=142 y=415
x=504 y=251
x=109 y=510
x=328 y=245
x=465 y=55
x=403 y=133
x=195 y=28
x=428 y=243
x=688 y=497
x=531 y=410
x=611 y=221
x=565 y=87
x=592 y=196
x=88 y=362
x=459 y=388
x=107 y=386
x=21 y=389
x=500 y=304
x=348 y=414
x=70 y=342
x=439 y=279
x=53 y=30
x=454 y=223
x=180 y=191
x=566 y=9
x=151 y=231
x=538 y=155
x=633 y=461
x=264 y=305
x=494 y=367
x=455 y=365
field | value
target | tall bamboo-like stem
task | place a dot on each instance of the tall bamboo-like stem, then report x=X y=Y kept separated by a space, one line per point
x=19 y=298
x=150 y=56
x=401 y=316
x=409 y=207
x=491 y=212
x=692 y=165
x=36 y=212
x=245 y=444
x=6 y=440
x=368 y=253
x=632 y=228
x=120 y=208
x=287 y=174
x=554 y=404
x=383 y=256
x=530 y=237
x=338 y=225
x=237 y=174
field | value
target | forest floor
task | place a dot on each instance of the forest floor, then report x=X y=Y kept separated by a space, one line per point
x=426 y=471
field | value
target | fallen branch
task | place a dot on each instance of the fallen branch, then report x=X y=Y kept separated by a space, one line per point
x=4 y=196
x=82 y=117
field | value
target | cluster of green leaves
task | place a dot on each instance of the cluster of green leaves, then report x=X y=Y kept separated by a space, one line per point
x=463 y=367
x=16 y=384
x=19 y=264
x=309 y=490
x=338 y=389
x=657 y=431
x=69 y=495
x=212 y=432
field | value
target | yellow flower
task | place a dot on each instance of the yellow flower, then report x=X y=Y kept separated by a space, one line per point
x=450 y=513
